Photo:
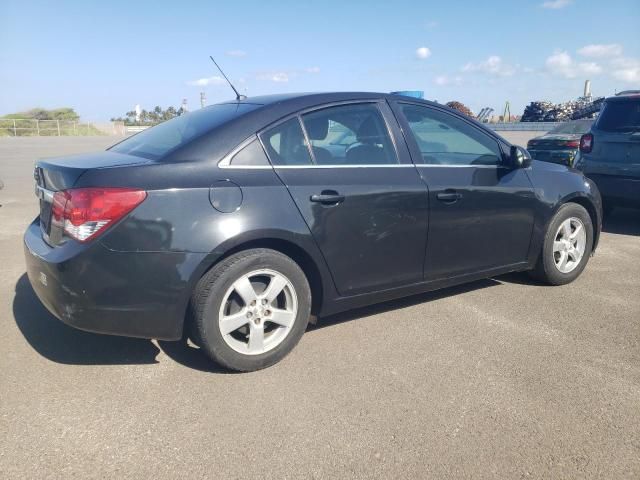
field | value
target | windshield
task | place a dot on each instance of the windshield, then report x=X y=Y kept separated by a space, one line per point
x=156 y=142
x=620 y=116
x=576 y=127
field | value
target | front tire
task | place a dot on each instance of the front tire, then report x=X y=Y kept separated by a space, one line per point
x=250 y=310
x=567 y=246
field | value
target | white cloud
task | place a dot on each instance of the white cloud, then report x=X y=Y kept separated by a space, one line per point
x=236 y=53
x=312 y=70
x=556 y=4
x=432 y=24
x=278 y=77
x=626 y=70
x=203 y=82
x=423 y=53
x=561 y=63
x=444 y=80
x=589 y=68
x=492 y=65
x=598 y=51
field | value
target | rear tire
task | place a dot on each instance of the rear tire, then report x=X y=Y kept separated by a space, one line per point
x=250 y=310
x=567 y=246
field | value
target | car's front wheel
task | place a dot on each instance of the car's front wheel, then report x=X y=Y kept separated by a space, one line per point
x=251 y=309
x=567 y=246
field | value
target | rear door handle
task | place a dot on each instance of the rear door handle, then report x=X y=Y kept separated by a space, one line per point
x=327 y=197
x=449 y=197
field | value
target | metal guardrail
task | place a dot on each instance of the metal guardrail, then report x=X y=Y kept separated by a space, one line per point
x=523 y=126
x=18 y=127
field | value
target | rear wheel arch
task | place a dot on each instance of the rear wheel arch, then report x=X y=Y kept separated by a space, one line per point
x=297 y=253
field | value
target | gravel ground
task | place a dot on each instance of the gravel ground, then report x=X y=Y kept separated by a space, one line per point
x=502 y=378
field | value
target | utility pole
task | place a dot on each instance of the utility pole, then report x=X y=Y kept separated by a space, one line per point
x=507 y=111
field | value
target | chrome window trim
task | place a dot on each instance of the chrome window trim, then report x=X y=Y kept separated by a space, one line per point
x=288 y=167
x=371 y=165
x=390 y=165
x=443 y=165
x=246 y=167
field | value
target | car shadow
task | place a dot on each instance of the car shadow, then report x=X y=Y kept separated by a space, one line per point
x=63 y=344
x=623 y=221
x=189 y=355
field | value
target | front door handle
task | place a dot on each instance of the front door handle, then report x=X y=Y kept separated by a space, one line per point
x=449 y=196
x=327 y=197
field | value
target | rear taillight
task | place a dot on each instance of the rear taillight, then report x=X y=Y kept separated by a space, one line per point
x=572 y=144
x=85 y=212
x=586 y=143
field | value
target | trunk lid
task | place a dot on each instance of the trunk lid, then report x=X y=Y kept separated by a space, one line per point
x=61 y=173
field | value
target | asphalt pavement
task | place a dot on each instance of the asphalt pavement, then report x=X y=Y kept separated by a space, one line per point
x=501 y=378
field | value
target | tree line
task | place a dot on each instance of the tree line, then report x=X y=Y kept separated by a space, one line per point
x=150 y=117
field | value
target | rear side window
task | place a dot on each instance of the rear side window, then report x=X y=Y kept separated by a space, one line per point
x=286 y=145
x=444 y=139
x=354 y=134
x=156 y=142
x=617 y=116
x=251 y=155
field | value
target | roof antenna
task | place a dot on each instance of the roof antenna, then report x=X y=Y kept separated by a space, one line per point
x=238 y=96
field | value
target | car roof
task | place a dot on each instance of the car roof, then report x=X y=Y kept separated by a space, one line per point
x=310 y=98
x=625 y=96
x=272 y=108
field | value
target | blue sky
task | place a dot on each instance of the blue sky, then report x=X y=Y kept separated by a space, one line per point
x=103 y=57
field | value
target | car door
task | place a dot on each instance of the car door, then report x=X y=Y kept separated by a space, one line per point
x=481 y=210
x=365 y=204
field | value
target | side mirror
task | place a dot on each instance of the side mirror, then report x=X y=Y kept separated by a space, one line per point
x=519 y=157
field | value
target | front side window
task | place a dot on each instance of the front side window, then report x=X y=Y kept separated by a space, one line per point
x=353 y=134
x=286 y=145
x=444 y=139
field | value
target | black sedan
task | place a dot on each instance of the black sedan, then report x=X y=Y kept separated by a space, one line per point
x=561 y=144
x=238 y=221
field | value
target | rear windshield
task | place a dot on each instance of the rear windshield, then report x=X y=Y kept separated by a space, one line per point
x=577 y=127
x=156 y=142
x=620 y=116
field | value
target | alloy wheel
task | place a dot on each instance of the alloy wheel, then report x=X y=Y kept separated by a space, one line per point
x=258 y=312
x=569 y=244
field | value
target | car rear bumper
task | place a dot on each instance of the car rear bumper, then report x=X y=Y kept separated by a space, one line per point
x=121 y=293
x=564 y=157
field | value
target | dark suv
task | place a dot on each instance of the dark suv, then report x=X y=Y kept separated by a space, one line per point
x=237 y=221
x=610 y=152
